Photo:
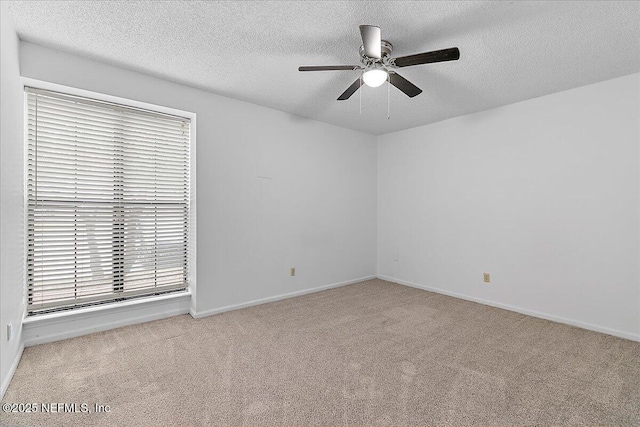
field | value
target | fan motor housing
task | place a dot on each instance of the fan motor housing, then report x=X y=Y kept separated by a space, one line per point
x=385 y=48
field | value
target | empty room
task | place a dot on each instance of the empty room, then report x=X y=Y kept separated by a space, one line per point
x=327 y=213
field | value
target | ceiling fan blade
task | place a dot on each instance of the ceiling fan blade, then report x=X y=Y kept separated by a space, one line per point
x=404 y=85
x=450 y=54
x=371 y=40
x=350 y=90
x=329 y=68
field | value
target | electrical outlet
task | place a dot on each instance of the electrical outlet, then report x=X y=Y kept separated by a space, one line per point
x=292 y=271
x=9 y=331
x=487 y=277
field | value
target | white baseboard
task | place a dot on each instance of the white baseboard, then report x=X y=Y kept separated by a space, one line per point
x=211 y=312
x=74 y=323
x=12 y=370
x=554 y=318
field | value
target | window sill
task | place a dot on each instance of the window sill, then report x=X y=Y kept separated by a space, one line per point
x=49 y=327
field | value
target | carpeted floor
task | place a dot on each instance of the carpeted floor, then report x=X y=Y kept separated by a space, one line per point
x=373 y=353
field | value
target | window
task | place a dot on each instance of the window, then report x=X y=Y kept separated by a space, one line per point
x=108 y=201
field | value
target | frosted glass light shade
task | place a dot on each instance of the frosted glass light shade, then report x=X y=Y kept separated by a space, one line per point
x=374 y=77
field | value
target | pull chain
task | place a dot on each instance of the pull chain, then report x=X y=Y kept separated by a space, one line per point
x=360 y=94
x=388 y=96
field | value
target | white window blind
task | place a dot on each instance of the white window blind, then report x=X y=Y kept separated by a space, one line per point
x=108 y=201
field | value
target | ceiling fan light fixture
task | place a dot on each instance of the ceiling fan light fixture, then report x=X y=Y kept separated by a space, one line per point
x=378 y=66
x=375 y=76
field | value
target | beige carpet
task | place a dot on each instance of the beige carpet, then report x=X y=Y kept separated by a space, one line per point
x=373 y=353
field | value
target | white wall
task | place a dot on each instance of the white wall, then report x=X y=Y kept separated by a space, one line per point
x=314 y=207
x=11 y=200
x=543 y=194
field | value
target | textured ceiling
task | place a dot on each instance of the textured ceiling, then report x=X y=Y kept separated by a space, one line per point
x=510 y=51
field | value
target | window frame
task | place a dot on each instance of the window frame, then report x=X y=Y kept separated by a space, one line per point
x=150 y=299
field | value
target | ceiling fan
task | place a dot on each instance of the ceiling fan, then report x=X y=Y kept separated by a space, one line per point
x=377 y=66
